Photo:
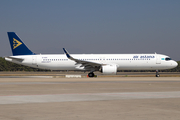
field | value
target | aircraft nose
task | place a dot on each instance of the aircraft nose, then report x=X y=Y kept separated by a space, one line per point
x=175 y=64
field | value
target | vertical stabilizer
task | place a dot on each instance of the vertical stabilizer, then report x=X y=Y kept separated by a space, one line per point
x=17 y=46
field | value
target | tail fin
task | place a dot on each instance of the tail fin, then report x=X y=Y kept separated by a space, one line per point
x=17 y=46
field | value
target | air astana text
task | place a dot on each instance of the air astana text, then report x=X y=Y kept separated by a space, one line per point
x=143 y=56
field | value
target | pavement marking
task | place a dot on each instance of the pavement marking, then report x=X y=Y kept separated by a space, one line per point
x=23 y=99
x=82 y=82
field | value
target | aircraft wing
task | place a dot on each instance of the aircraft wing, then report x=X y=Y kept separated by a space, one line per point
x=86 y=64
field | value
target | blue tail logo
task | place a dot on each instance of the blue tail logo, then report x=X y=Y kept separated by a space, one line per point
x=17 y=46
x=16 y=43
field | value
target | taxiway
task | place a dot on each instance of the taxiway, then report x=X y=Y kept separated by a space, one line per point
x=136 y=98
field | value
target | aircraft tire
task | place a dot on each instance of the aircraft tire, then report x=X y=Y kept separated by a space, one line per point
x=158 y=75
x=91 y=74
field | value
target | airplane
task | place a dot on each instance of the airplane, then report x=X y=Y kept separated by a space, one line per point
x=105 y=63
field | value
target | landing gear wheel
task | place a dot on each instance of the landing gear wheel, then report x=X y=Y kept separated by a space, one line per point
x=91 y=74
x=158 y=75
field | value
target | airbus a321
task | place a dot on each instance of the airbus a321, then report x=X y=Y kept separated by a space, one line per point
x=105 y=63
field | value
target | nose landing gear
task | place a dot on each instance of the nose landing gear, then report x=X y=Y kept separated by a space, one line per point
x=157 y=73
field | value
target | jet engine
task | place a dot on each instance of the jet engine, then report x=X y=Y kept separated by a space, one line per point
x=109 y=69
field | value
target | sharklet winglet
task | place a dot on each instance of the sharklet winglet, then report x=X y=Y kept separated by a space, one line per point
x=67 y=54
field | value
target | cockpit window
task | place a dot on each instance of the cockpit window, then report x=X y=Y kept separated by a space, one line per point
x=167 y=59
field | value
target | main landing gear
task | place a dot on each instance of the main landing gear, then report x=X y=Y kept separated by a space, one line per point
x=91 y=74
x=157 y=73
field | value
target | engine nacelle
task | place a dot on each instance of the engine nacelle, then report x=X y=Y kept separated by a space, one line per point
x=109 y=69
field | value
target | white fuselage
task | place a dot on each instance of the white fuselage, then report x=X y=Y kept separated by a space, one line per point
x=122 y=61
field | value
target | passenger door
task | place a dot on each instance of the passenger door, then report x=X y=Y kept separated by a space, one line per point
x=158 y=59
x=34 y=60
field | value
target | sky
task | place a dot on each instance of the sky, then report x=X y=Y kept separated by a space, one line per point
x=92 y=26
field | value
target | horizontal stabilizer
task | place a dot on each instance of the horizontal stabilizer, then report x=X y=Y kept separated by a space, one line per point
x=14 y=58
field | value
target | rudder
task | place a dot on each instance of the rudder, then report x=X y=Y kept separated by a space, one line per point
x=17 y=46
